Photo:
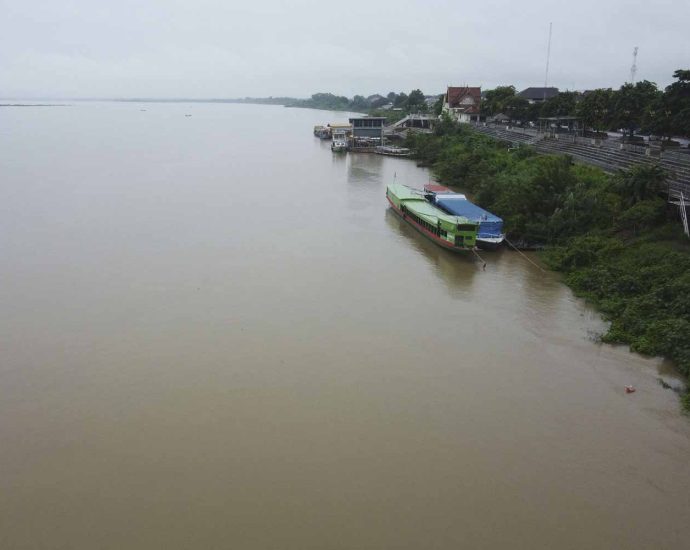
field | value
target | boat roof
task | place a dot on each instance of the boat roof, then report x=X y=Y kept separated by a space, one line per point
x=460 y=206
x=405 y=193
x=434 y=188
x=415 y=202
x=430 y=213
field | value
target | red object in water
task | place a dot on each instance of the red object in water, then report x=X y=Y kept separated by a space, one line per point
x=629 y=389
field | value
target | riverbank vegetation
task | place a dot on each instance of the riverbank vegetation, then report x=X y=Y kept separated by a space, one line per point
x=614 y=237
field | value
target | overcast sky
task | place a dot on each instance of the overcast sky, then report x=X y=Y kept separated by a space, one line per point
x=224 y=48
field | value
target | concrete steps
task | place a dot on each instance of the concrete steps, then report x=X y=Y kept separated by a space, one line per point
x=613 y=159
x=505 y=135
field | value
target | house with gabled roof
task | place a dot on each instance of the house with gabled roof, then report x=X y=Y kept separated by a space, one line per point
x=463 y=102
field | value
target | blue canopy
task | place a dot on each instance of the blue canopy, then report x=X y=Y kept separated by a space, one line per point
x=489 y=224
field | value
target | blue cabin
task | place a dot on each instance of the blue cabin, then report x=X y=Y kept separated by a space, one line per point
x=490 y=225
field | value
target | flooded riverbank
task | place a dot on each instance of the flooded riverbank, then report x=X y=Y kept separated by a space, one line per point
x=215 y=334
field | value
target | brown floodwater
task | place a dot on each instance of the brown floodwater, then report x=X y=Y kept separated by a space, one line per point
x=214 y=334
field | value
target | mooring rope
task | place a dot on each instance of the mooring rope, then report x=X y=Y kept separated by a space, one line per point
x=480 y=258
x=524 y=255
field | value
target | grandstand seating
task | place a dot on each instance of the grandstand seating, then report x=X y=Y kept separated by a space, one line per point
x=607 y=155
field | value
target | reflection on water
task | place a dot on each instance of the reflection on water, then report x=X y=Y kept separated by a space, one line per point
x=364 y=167
x=339 y=158
x=670 y=376
x=456 y=270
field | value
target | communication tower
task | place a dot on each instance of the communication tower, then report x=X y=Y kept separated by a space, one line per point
x=633 y=69
x=548 y=57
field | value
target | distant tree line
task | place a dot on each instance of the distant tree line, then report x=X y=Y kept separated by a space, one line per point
x=633 y=107
x=414 y=102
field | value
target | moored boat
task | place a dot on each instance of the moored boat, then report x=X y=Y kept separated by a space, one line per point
x=339 y=144
x=490 y=235
x=322 y=132
x=393 y=151
x=339 y=128
x=451 y=232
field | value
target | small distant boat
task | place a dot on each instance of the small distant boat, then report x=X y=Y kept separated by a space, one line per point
x=339 y=144
x=393 y=151
x=490 y=235
x=450 y=232
x=339 y=128
x=322 y=132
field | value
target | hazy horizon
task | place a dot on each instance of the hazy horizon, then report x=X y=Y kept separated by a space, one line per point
x=218 y=50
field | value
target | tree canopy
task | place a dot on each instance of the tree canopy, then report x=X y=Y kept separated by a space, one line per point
x=494 y=101
x=631 y=102
x=595 y=109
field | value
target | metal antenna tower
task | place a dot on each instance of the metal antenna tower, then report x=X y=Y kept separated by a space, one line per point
x=548 y=56
x=633 y=69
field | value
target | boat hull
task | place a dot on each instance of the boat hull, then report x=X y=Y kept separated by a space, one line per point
x=428 y=234
x=489 y=243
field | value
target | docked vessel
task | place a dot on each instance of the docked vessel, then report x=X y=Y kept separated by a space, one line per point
x=451 y=232
x=339 y=144
x=339 y=128
x=323 y=132
x=393 y=151
x=490 y=235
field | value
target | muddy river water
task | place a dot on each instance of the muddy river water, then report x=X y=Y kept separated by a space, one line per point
x=215 y=334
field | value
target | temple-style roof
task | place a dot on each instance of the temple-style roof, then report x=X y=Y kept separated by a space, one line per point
x=464 y=98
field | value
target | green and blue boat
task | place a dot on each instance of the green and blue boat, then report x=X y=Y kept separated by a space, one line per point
x=451 y=232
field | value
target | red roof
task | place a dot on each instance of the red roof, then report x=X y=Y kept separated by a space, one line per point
x=431 y=188
x=456 y=95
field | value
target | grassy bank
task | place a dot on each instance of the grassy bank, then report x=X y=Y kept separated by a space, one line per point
x=614 y=237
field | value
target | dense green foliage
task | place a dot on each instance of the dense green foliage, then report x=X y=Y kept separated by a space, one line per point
x=596 y=109
x=630 y=103
x=669 y=113
x=614 y=237
x=641 y=285
x=494 y=101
